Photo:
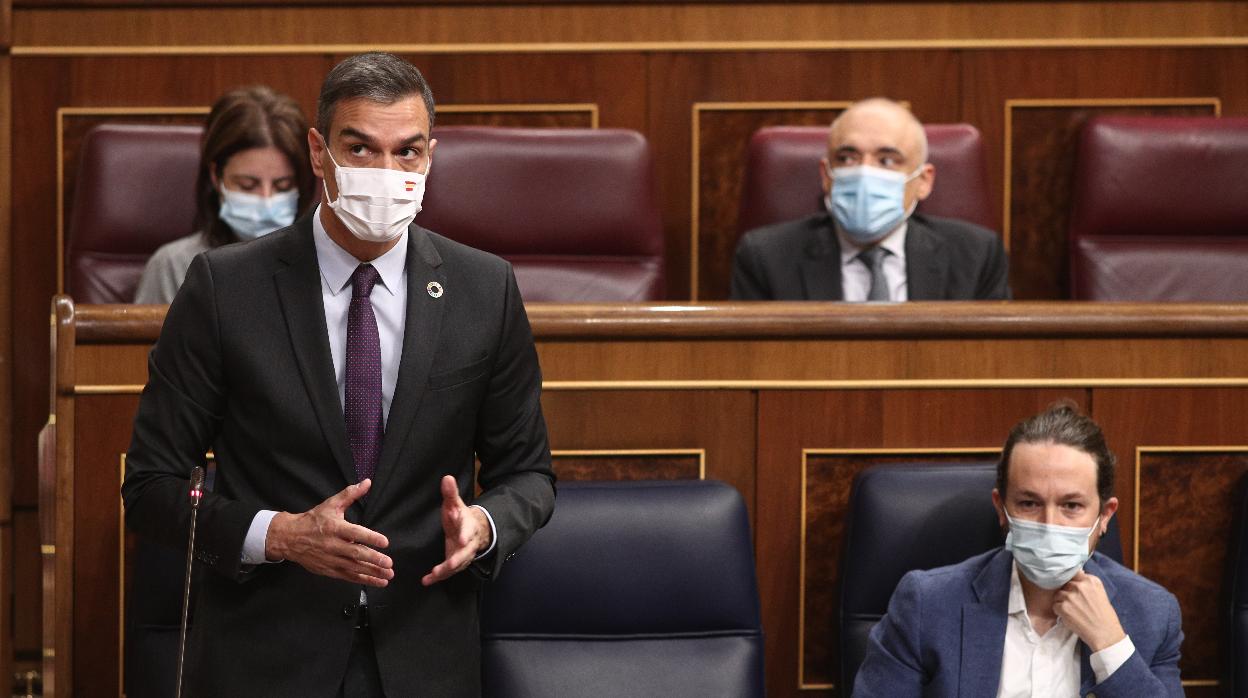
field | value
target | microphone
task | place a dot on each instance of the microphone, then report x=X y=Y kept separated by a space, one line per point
x=197 y=493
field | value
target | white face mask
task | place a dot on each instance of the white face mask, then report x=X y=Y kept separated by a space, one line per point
x=376 y=204
x=251 y=215
x=1047 y=554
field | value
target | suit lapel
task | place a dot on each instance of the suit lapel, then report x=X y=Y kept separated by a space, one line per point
x=420 y=340
x=299 y=291
x=983 y=628
x=821 y=264
x=927 y=263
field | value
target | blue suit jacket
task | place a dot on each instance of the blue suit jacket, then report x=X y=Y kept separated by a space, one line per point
x=944 y=633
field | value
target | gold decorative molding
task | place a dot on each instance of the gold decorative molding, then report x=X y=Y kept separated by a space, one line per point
x=47 y=550
x=695 y=170
x=887 y=384
x=1012 y=104
x=801 y=574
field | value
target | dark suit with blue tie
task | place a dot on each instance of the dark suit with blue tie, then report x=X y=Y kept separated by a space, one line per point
x=944 y=633
x=243 y=367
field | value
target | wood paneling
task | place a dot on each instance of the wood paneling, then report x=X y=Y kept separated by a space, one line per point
x=102 y=436
x=8 y=566
x=710 y=421
x=622 y=465
x=791 y=421
x=624 y=23
x=1042 y=137
x=755 y=433
x=1183 y=496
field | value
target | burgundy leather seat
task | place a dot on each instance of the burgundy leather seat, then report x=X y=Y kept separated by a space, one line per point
x=573 y=210
x=134 y=191
x=1159 y=210
x=782 y=175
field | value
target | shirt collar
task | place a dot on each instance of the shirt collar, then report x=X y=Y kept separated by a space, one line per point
x=894 y=242
x=1017 y=602
x=337 y=265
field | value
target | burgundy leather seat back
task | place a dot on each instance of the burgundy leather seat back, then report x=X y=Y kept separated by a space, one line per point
x=573 y=210
x=134 y=191
x=782 y=175
x=1159 y=210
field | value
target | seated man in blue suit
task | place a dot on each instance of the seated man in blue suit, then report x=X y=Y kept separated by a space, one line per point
x=1041 y=616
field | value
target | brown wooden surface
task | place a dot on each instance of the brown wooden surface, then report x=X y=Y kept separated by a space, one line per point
x=9 y=552
x=626 y=398
x=543 y=23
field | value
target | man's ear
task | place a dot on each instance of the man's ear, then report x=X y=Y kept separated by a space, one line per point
x=1107 y=512
x=316 y=149
x=999 y=505
x=824 y=177
x=925 y=181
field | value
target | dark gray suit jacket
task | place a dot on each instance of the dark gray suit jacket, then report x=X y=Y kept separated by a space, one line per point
x=800 y=260
x=243 y=367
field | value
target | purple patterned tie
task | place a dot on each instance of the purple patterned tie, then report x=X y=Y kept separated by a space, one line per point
x=363 y=391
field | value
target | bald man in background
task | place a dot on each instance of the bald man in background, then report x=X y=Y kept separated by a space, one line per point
x=868 y=244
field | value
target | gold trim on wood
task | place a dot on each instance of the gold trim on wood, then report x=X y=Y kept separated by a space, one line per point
x=695 y=171
x=63 y=112
x=1011 y=104
x=801 y=573
x=47 y=549
x=607 y=452
x=886 y=384
x=626 y=46
x=510 y=108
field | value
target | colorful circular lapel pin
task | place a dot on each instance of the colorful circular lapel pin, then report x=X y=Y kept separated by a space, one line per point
x=435 y=289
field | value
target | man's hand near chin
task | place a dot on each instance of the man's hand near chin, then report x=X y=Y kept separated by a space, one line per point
x=1084 y=607
x=467 y=531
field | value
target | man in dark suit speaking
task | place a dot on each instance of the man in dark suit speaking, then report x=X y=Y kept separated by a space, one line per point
x=867 y=245
x=345 y=371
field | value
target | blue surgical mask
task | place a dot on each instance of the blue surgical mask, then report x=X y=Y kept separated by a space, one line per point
x=868 y=202
x=1047 y=554
x=251 y=216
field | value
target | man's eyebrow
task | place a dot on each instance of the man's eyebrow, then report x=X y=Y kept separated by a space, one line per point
x=889 y=150
x=348 y=132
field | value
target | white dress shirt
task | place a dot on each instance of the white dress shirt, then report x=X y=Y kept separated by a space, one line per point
x=856 y=275
x=389 y=300
x=1035 y=666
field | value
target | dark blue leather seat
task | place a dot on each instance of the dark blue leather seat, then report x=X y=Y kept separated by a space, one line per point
x=631 y=589
x=914 y=517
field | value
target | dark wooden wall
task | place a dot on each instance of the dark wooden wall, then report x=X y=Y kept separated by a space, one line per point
x=694 y=78
x=786 y=402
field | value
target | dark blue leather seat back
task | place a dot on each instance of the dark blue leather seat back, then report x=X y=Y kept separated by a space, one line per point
x=914 y=517
x=631 y=589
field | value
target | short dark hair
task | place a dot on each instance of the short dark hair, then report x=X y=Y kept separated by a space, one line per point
x=242 y=119
x=377 y=76
x=1063 y=424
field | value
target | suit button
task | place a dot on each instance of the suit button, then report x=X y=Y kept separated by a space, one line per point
x=348 y=611
x=1091 y=695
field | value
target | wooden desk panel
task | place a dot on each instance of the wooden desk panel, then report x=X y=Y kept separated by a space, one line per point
x=784 y=401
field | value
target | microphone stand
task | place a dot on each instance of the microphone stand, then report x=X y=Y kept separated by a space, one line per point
x=197 y=493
